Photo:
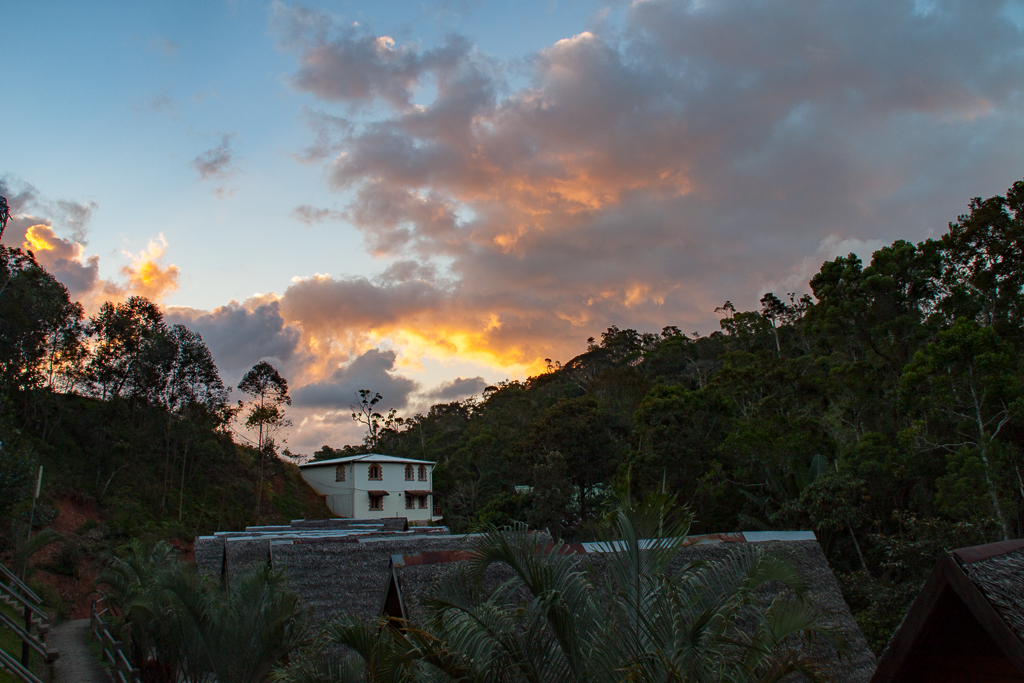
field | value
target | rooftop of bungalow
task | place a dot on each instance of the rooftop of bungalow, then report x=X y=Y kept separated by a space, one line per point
x=369 y=457
x=414 y=575
x=367 y=568
x=967 y=623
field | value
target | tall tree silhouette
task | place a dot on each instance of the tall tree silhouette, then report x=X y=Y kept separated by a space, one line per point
x=269 y=392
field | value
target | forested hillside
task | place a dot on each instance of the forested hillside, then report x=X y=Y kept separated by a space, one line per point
x=886 y=413
x=130 y=421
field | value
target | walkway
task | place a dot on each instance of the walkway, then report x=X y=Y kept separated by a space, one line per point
x=76 y=663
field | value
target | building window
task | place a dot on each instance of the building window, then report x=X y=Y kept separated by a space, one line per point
x=339 y=473
x=423 y=472
x=423 y=502
x=375 y=472
x=410 y=502
x=408 y=473
x=376 y=502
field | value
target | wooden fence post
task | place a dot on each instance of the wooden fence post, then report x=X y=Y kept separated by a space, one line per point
x=116 y=650
x=28 y=629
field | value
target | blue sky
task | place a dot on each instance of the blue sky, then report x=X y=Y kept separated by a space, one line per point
x=112 y=102
x=421 y=198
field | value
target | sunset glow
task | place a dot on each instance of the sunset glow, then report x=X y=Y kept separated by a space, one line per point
x=36 y=238
x=488 y=185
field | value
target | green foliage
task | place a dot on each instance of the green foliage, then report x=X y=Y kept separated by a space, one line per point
x=558 y=621
x=185 y=627
x=40 y=327
x=896 y=392
x=900 y=564
x=17 y=465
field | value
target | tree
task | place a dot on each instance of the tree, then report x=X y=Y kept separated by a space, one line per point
x=194 y=395
x=186 y=628
x=878 y=313
x=587 y=439
x=365 y=413
x=677 y=438
x=984 y=264
x=17 y=465
x=40 y=327
x=965 y=387
x=269 y=394
x=133 y=355
x=780 y=314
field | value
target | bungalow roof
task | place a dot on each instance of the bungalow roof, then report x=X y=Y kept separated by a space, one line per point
x=967 y=623
x=412 y=576
x=369 y=457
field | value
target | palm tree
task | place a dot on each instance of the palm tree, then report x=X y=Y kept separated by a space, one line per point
x=623 y=616
x=239 y=633
x=129 y=582
x=188 y=628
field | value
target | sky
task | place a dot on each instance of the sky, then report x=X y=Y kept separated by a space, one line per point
x=423 y=198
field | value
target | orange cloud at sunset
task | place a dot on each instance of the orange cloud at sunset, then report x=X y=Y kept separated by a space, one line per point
x=65 y=257
x=483 y=207
x=39 y=238
x=147 y=276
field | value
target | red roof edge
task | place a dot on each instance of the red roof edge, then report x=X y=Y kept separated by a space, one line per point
x=978 y=553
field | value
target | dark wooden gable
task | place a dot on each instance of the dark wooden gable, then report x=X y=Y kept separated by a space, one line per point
x=952 y=632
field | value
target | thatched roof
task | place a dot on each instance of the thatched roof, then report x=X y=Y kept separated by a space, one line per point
x=347 y=576
x=334 y=565
x=414 y=576
x=999 y=575
x=967 y=623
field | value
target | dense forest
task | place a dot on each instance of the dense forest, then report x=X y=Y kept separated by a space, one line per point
x=885 y=412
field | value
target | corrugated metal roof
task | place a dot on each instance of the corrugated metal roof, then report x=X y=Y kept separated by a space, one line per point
x=369 y=457
x=761 y=536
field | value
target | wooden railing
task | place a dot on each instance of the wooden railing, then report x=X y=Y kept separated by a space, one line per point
x=16 y=594
x=113 y=649
x=13 y=666
x=15 y=582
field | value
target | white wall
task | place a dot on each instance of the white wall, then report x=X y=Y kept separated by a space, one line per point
x=349 y=498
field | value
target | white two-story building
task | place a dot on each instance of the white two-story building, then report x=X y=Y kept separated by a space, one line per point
x=374 y=486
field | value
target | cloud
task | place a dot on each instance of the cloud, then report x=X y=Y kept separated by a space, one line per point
x=163 y=103
x=35 y=221
x=216 y=163
x=64 y=259
x=32 y=227
x=147 y=275
x=340 y=63
x=458 y=388
x=640 y=173
x=163 y=46
x=69 y=216
x=373 y=370
x=241 y=334
x=310 y=215
x=330 y=132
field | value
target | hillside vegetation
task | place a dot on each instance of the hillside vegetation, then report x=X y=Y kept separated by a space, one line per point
x=884 y=412
x=130 y=421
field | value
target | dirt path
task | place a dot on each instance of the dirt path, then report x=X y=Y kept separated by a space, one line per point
x=76 y=663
